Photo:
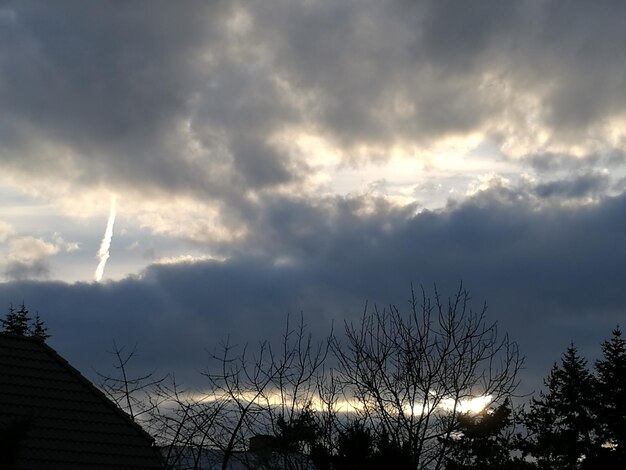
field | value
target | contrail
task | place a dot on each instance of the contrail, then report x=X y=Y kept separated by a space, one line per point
x=103 y=252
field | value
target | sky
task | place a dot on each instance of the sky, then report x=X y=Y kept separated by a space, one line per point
x=237 y=162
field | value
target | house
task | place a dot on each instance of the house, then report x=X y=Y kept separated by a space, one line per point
x=51 y=417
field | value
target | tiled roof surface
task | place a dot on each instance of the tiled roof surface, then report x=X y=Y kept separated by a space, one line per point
x=70 y=423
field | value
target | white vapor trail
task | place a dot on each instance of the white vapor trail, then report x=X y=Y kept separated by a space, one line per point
x=103 y=252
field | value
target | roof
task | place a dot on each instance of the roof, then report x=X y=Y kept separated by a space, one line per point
x=69 y=423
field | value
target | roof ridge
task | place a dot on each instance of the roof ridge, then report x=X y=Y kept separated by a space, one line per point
x=78 y=375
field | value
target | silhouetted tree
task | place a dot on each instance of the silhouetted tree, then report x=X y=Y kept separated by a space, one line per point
x=560 y=422
x=299 y=434
x=39 y=329
x=410 y=373
x=359 y=446
x=392 y=452
x=485 y=441
x=260 y=386
x=179 y=423
x=131 y=393
x=610 y=404
x=405 y=377
x=356 y=448
x=19 y=322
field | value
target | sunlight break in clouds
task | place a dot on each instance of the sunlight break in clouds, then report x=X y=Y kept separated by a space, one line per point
x=103 y=252
x=470 y=405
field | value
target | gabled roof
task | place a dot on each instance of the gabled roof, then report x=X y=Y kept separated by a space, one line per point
x=69 y=423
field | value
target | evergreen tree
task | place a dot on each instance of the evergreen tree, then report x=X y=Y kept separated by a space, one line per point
x=362 y=447
x=392 y=453
x=560 y=422
x=17 y=321
x=485 y=441
x=299 y=434
x=355 y=447
x=610 y=404
x=39 y=329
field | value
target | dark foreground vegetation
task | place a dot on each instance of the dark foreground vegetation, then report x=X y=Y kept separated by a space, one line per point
x=430 y=388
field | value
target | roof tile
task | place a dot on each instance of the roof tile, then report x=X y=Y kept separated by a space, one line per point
x=71 y=424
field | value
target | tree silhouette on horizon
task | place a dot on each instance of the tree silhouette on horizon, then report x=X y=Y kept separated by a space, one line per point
x=19 y=322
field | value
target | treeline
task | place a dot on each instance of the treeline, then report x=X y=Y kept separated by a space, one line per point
x=430 y=388
x=579 y=421
x=19 y=321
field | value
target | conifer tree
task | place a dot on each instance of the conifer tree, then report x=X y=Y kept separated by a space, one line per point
x=485 y=441
x=299 y=434
x=560 y=422
x=17 y=321
x=610 y=404
x=355 y=447
x=39 y=330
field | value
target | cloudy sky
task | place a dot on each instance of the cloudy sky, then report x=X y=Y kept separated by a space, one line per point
x=291 y=156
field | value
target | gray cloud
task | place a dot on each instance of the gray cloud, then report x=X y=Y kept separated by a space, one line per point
x=583 y=59
x=110 y=83
x=445 y=61
x=549 y=277
x=27 y=258
x=32 y=269
x=551 y=162
x=564 y=163
x=185 y=97
x=587 y=185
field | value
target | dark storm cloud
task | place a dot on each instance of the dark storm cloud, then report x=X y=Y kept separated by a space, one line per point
x=581 y=186
x=560 y=162
x=444 y=62
x=582 y=56
x=108 y=81
x=550 y=162
x=372 y=77
x=549 y=276
x=116 y=85
x=457 y=34
x=34 y=269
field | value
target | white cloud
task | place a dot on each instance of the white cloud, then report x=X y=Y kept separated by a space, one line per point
x=6 y=230
x=30 y=248
x=27 y=258
x=61 y=244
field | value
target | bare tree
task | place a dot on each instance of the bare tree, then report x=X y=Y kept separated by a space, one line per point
x=185 y=424
x=249 y=392
x=329 y=411
x=406 y=377
x=175 y=418
x=264 y=386
x=135 y=395
x=410 y=376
